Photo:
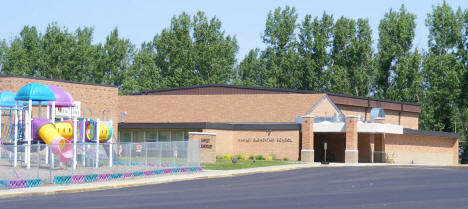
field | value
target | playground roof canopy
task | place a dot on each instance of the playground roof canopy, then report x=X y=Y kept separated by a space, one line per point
x=35 y=92
x=63 y=98
x=7 y=99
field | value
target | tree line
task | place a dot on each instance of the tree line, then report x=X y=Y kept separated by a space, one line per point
x=319 y=53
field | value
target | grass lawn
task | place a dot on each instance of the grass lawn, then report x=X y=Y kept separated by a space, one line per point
x=228 y=165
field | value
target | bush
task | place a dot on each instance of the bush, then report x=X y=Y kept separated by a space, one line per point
x=219 y=157
x=285 y=159
x=242 y=157
x=260 y=157
x=227 y=157
x=251 y=157
x=273 y=156
x=269 y=158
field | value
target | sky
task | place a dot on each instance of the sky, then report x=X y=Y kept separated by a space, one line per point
x=139 y=21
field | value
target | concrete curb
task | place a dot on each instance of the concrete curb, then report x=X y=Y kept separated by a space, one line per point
x=207 y=174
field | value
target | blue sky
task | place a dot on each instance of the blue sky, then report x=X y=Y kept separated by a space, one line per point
x=139 y=21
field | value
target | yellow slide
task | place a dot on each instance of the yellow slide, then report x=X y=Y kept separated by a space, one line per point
x=61 y=147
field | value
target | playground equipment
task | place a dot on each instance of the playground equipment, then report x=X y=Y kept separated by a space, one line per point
x=61 y=134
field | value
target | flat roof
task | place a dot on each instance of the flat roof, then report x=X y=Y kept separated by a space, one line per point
x=409 y=131
x=258 y=88
x=56 y=80
x=221 y=126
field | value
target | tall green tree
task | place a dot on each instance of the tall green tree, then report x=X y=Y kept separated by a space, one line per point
x=443 y=70
x=280 y=53
x=118 y=54
x=143 y=73
x=195 y=51
x=396 y=34
x=407 y=83
x=251 y=70
x=314 y=42
x=57 y=48
x=351 y=56
x=22 y=57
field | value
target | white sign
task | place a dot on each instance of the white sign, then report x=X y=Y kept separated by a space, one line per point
x=65 y=111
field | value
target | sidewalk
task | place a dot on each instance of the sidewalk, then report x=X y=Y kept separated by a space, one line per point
x=56 y=189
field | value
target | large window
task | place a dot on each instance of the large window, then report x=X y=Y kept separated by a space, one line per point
x=126 y=136
x=164 y=135
x=138 y=136
x=152 y=136
x=177 y=135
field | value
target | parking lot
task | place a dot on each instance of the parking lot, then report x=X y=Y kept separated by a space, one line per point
x=321 y=187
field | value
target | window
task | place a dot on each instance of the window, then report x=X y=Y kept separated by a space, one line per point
x=151 y=136
x=164 y=135
x=138 y=136
x=126 y=136
x=177 y=135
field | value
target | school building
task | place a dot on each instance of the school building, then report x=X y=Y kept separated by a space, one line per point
x=283 y=123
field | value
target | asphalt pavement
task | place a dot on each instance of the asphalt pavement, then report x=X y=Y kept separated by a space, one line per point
x=320 y=187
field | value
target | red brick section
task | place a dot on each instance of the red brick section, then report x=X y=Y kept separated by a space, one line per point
x=307 y=152
x=97 y=98
x=351 y=152
x=351 y=133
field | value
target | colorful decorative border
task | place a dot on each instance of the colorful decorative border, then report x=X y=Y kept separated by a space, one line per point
x=13 y=184
x=111 y=176
x=73 y=179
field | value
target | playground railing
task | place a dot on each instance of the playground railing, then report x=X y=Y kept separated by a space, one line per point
x=95 y=162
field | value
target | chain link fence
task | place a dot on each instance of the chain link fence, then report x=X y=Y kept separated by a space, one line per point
x=95 y=162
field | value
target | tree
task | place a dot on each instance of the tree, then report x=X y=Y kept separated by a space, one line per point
x=396 y=34
x=143 y=73
x=195 y=51
x=351 y=56
x=443 y=70
x=23 y=55
x=407 y=85
x=313 y=46
x=118 y=54
x=280 y=54
x=251 y=70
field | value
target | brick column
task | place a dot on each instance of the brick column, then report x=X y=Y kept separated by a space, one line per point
x=379 y=153
x=351 y=152
x=372 y=147
x=307 y=151
x=207 y=146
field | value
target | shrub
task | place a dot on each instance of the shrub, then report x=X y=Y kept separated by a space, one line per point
x=260 y=157
x=251 y=157
x=269 y=157
x=219 y=157
x=285 y=159
x=227 y=157
x=273 y=156
x=242 y=157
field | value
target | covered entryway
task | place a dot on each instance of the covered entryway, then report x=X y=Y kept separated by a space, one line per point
x=336 y=143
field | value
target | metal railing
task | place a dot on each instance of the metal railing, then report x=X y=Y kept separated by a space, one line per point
x=93 y=159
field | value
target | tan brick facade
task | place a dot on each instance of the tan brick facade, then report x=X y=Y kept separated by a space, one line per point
x=307 y=151
x=351 y=152
x=207 y=146
x=408 y=149
x=278 y=143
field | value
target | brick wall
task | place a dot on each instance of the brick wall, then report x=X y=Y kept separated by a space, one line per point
x=408 y=149
x=217 y=108
x=95 y=97
x=280 y=143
